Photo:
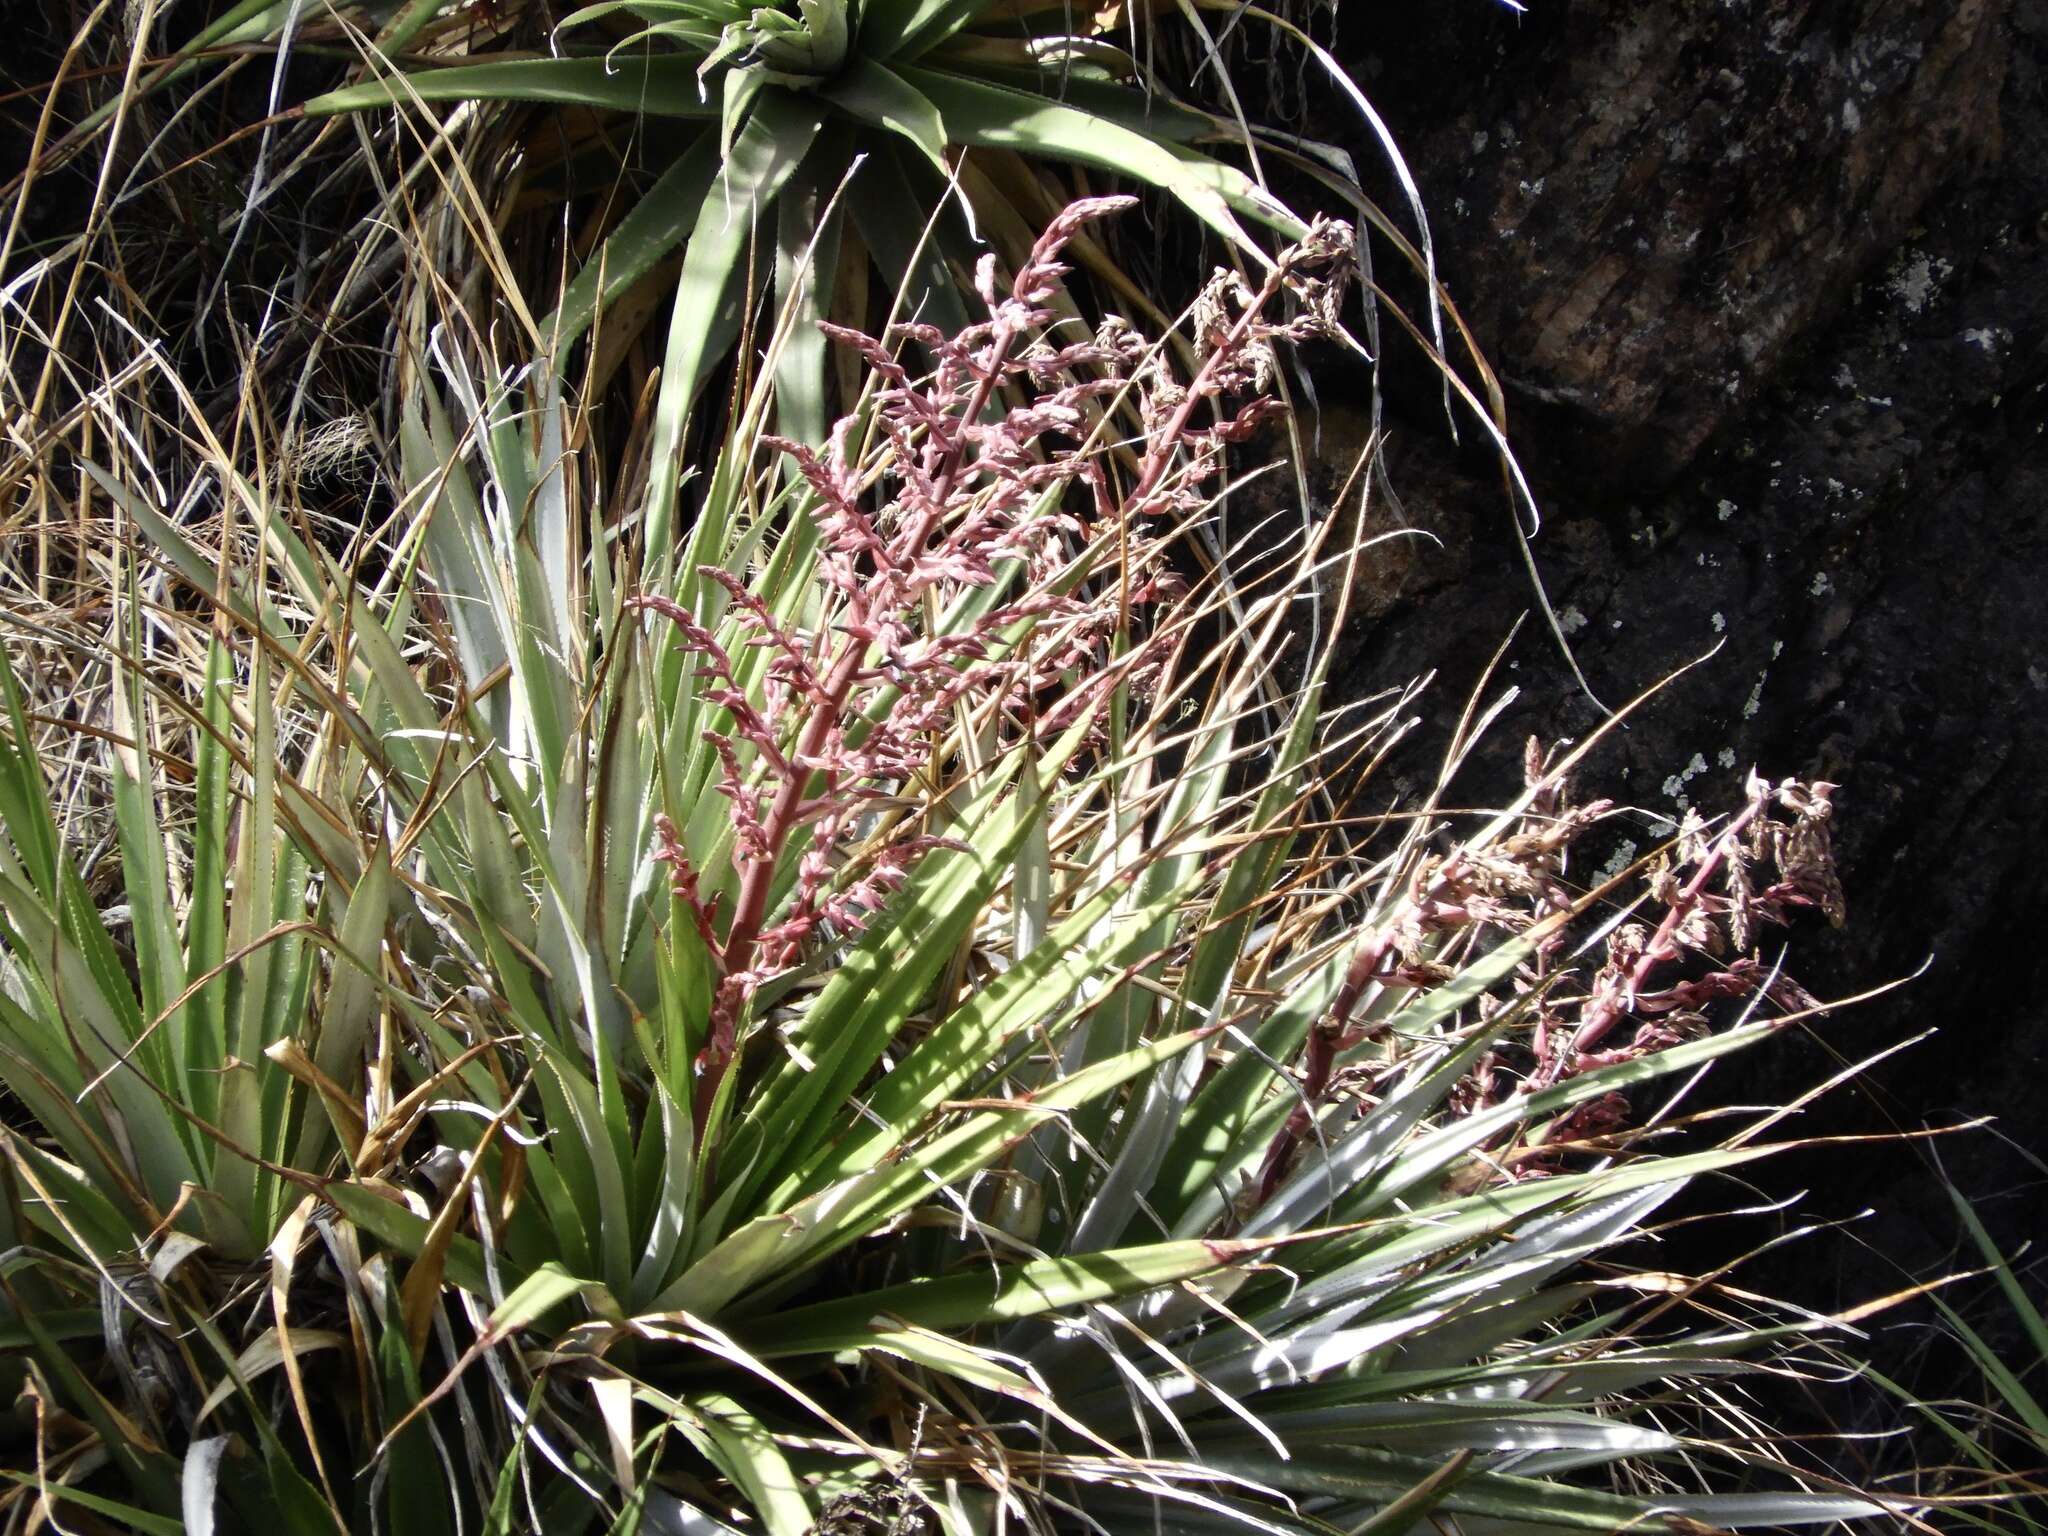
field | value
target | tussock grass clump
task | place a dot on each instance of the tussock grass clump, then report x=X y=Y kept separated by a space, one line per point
x=1971 y=1435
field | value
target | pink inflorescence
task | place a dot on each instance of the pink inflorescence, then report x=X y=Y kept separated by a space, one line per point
x=977 y=455
x=1660 y=976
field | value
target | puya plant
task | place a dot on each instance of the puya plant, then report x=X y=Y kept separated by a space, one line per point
x=877 y=1031
x=808 y=154
x=759 y=112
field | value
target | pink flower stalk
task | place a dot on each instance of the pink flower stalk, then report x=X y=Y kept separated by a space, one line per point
x=977 y=457
x=1687 y=926
x=1516 y=885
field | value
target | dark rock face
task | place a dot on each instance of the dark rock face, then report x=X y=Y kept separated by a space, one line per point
x=1766 y=283
x=1666 y=203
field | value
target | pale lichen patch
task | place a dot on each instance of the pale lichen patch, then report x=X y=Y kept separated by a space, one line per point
x=1755 y=701
x=1675 y=785
x=1915 y=280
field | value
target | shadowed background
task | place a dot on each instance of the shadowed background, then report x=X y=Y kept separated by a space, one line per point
x=1766 y=282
